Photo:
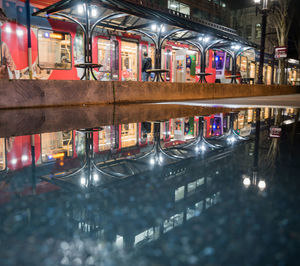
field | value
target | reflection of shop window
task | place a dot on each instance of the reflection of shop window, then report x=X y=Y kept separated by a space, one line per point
x=128 y=135
x=179 y=7
x=105 y=139
x=179 y=193
x=2 y=154
x=257 y=31
x=57 y=145
x=54 y=49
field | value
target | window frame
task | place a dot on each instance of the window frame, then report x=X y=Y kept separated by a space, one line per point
x=71 y=48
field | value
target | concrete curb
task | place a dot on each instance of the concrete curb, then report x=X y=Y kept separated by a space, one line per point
x=50 y=93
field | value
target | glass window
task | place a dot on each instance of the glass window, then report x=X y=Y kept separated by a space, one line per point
x=57 y=145
x=257 y=31
x=2 y=154
x=179 y=7
x=54 y=49
x=104 y=59
x=249 y=31
x=129 y=60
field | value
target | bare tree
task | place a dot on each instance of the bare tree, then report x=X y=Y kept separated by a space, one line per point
x=282 y=18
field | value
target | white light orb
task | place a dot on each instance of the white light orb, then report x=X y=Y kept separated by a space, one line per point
x=80 y=9
x=247 y=182
x=261 y=184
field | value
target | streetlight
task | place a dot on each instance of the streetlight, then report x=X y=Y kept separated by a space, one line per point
x=264 y=11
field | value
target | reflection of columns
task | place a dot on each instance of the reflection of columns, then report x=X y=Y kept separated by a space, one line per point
x=256 y=146
x=33 y=169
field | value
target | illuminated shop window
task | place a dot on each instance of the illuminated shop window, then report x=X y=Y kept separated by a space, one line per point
x=57 y=145
x=104 y=58
x=2 y=154
x=129 y=55
x=129 y=135
x=54 y=49
x=179 y=7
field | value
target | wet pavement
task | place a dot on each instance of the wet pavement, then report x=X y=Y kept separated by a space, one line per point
x=278 y=101
x=210 y=187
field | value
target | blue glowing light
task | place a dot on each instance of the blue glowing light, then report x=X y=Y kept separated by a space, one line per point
x=46 y=35
x=217 y=58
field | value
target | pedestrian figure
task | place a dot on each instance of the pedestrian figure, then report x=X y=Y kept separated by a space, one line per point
x=147 y=64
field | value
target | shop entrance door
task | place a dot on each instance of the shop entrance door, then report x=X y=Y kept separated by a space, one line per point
x=180 y=65
x=129 y=64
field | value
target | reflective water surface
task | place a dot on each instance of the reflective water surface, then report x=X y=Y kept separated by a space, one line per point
x=206 y=189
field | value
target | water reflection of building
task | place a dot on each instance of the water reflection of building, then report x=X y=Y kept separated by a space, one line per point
x=16 y=152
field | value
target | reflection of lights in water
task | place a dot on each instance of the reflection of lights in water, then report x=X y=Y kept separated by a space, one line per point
x=246 y=181
x=82 y=181
x=202 y=148
x=231 y=140
x=94 y=12
x=261 y=184
x=24 y=158
x=152 y=161
x=96 y=178
x=160 y=159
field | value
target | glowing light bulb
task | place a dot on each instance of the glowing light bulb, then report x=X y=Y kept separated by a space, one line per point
x=153 y=27
x=80 y=9
x=19 y=32
x=152 y=161
x=8 y=29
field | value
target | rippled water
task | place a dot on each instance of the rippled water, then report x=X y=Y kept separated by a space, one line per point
x=209 y=188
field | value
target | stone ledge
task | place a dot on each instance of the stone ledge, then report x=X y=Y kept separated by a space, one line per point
x=50 y=93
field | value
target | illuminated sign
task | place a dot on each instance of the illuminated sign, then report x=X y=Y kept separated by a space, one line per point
x=281 y=52
x=55 y=35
